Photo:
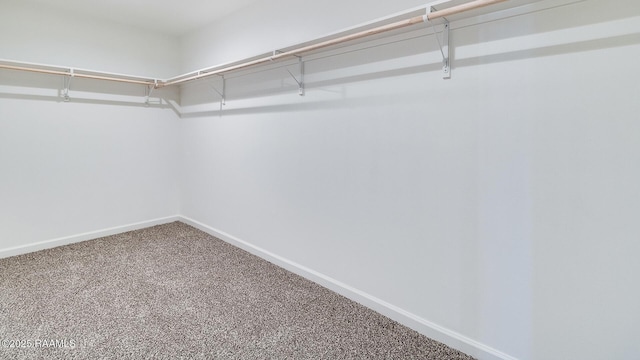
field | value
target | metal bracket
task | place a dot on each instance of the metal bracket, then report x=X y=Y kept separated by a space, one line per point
x=444 y=47
x=149 y=90
x=301 y=81
x=66 y=84
x=222 y=94
x=446 y=55
x=301 y=67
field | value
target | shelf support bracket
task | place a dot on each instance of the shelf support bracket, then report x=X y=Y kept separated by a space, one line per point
x=301 y=68
x=301 y=81
x=446 y=55
x=149 y=91
x=66 y=84
x=443 y=45
x=223 y=100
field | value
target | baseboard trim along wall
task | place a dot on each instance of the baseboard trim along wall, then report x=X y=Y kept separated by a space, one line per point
x=423 y=326
x=48 y=244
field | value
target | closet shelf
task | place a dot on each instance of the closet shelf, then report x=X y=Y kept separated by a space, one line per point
x=425 y=14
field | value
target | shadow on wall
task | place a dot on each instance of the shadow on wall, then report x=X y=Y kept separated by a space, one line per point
x=342 y=102
x=544 y=51
x=159 y=103
x=328 y=74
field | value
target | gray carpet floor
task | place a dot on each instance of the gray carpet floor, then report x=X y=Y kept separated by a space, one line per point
x=174 y=292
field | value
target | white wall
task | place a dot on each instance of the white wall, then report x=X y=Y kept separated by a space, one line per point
x=42 y=34
x=499 y=207
x=270 y=25
x=101 y=161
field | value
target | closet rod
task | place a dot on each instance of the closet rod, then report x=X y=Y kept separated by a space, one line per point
x=78 y=75
x=295 y=52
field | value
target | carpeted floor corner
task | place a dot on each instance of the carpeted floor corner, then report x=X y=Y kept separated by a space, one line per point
x=174 y=292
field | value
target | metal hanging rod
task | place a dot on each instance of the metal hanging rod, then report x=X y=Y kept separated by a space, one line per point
x=297 y=52
x=75 y=73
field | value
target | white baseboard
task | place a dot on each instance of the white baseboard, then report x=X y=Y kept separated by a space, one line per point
x=48 y=244
x=423 y=326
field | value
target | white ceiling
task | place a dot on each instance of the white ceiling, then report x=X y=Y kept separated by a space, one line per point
x=164 y=16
